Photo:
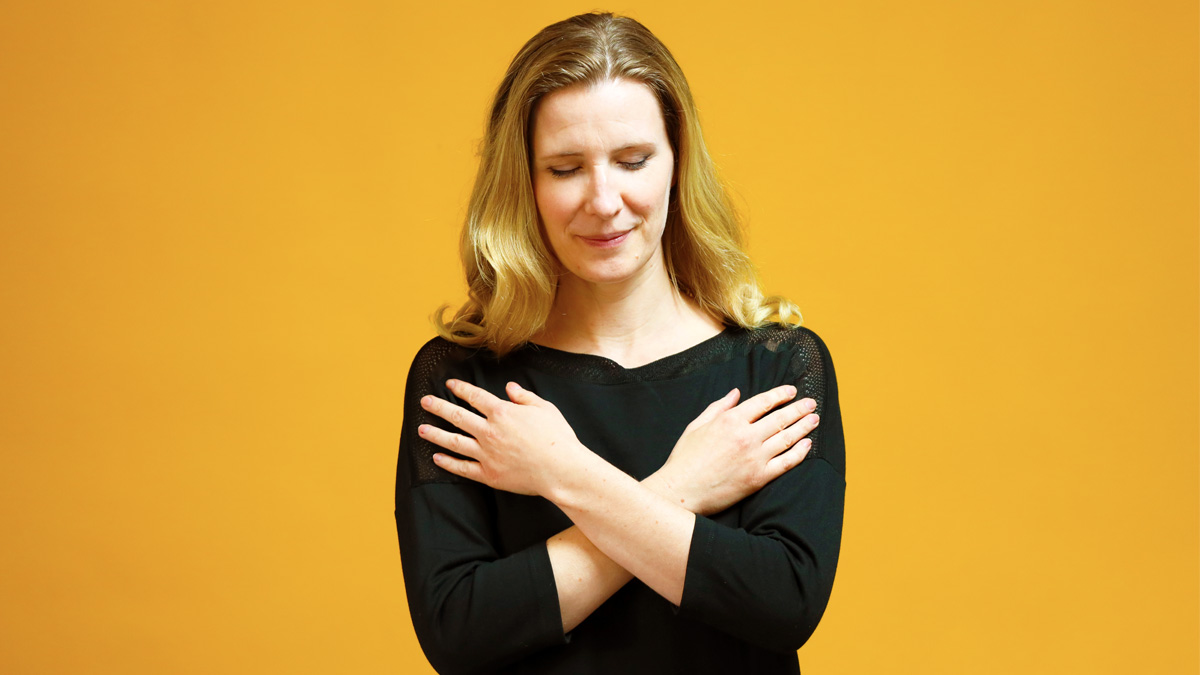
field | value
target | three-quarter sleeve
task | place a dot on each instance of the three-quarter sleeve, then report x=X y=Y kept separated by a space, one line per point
x=768 y=580
x=474 y=609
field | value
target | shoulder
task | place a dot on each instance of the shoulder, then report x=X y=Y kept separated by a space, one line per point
x=810 y=368
x=438 y=350
x=437 y=358
x=801 y=342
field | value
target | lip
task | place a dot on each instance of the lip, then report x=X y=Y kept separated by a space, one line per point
x=608 y=240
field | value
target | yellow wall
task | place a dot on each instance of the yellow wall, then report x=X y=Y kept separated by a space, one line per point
x=223 y=228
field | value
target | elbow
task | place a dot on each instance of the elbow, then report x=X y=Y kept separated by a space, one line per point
x=793 y=618
x=798 y=610
x=447 y=655
x=800 y=629
x=444 y=627
x=447 y=649
x=468 y=623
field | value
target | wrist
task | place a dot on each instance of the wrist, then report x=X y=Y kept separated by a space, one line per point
x=661 y=484
x=572 y=487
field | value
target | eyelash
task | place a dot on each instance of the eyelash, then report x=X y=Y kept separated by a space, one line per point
x=631 y=166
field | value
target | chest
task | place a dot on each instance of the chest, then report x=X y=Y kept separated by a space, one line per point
x=634 y=426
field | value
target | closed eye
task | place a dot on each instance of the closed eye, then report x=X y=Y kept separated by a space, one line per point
x=629 y=166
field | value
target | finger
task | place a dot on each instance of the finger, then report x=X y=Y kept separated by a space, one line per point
x=781 y=464
x=790 y=436
x=518 y=394
x=726 y=402
x=757 y=406
x=784 y=417
x=450 y=441
x=455 y=414
x=480 y=399
x=459 y=467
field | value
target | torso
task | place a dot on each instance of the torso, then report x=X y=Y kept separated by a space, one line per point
x=632 y=417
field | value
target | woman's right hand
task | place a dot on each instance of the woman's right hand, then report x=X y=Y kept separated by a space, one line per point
x=731 y=451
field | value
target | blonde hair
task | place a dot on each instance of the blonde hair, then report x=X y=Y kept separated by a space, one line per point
x=511 y=272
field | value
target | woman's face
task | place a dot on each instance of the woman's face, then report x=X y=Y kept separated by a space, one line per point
x=603 y=169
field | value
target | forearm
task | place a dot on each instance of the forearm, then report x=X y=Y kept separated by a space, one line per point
x=768 y=579
x=584 y=576
x=474 y=608
x=630 y=524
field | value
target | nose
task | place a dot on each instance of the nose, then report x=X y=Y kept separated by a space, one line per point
x=603 y=198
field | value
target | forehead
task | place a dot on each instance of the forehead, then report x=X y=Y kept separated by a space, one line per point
x=583 y=117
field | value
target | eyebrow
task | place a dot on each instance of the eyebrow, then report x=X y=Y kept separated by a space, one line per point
x=647 y=146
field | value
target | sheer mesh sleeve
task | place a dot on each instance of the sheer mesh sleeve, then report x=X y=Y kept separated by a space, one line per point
x=428 y=374
x=768 y=580
x=473 y=609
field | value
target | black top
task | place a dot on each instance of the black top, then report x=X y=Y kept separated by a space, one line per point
x=759 y=574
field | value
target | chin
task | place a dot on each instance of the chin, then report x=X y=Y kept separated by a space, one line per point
x=608 y=273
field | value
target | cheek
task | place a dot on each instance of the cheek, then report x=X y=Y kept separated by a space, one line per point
x=650 y=198
x=553 y=202
x=554 y=214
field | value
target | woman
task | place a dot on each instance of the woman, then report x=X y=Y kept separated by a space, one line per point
x=600 y=466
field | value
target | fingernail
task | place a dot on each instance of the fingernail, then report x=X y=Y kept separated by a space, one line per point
x=810 y=404
x=421 y=429
x=806 y=443
x=791 y=391
x=451 y=383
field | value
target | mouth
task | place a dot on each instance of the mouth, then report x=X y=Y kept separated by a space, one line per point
x=610 y=240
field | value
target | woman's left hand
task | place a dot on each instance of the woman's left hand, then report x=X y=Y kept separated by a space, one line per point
x=518 y=446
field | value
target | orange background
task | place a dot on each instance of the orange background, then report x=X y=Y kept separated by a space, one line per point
x=224 y=225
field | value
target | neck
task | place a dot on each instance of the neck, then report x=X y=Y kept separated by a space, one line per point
x=632 y=322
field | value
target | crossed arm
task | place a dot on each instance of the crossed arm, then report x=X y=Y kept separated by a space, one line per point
x=622 y=528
